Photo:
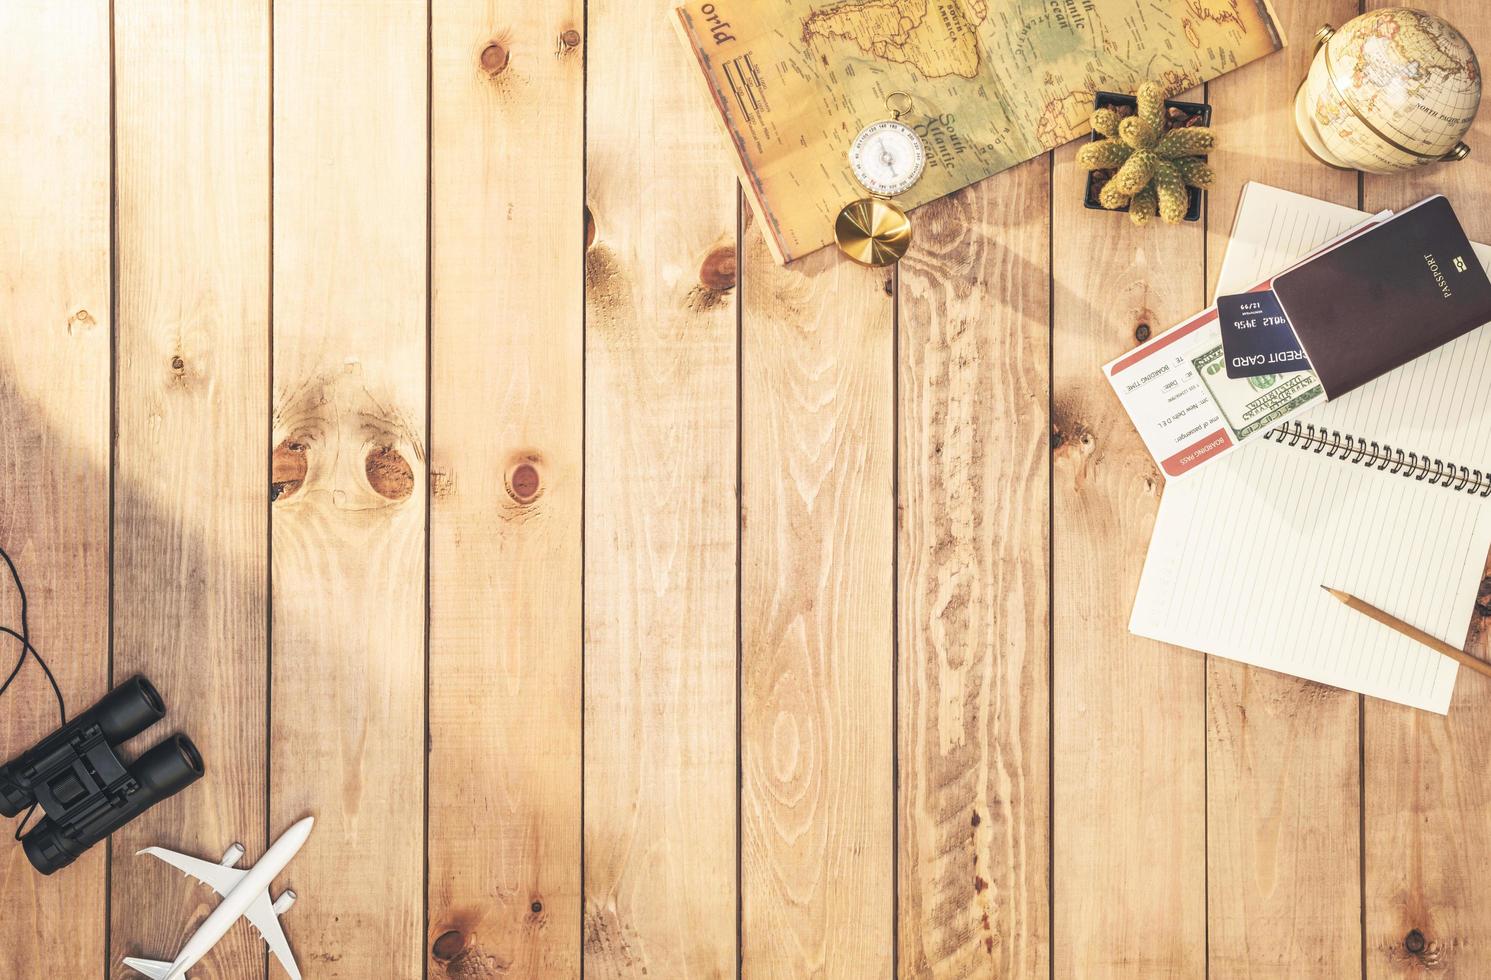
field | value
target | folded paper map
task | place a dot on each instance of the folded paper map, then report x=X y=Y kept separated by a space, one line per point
x=992 y=83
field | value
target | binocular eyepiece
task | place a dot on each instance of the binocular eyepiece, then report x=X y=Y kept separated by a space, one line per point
x=86 y=790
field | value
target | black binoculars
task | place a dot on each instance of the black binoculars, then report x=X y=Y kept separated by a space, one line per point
x=85 y=789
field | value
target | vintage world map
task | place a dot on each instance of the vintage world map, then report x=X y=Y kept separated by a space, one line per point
x=992 y=83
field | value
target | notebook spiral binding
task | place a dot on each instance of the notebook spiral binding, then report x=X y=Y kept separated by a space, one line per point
x=1380 y=456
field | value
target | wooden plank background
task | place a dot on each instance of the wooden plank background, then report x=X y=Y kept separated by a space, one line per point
x=56 y=328
x=505 y=502
x=404 y=387
x=191 y=398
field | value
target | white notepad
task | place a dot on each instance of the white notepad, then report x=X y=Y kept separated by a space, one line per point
x=1240 y=550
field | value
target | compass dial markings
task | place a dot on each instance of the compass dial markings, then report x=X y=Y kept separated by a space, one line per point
x=887 y=157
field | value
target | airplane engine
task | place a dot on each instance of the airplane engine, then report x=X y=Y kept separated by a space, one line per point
x=283 y=903
x=231 y=856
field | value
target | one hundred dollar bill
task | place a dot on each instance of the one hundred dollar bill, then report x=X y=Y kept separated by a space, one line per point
x=1252 y=404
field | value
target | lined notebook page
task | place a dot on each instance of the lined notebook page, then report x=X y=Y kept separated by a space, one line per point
x=1240 y=549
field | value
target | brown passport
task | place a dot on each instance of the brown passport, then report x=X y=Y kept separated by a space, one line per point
x=1381 y=299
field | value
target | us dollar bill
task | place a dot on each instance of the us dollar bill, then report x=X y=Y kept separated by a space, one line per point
x=1252 y=404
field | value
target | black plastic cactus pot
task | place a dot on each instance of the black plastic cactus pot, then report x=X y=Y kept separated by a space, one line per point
x=1177 y=114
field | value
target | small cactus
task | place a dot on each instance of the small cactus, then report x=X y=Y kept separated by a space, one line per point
x=1105 y=154
x=1196 y=173
x=1138 y=134
x=1192 y=142
x=1151 y=99
x=1152 y=166
x=1111 y=197
x=1105 y=121
x=1170 y=191
x=1143 y=206
x=1137 y=171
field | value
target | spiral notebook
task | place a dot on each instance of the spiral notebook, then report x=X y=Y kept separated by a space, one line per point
x=1384 y=492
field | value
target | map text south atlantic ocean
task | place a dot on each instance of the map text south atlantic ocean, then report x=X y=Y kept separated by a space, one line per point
x=992 y=83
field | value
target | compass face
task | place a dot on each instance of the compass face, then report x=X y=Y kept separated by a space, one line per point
x=887 y=157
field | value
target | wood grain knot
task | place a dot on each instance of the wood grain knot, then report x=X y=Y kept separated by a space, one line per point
x=569 y=40
x=389 y=473
x=536 y=907
x=81 y=319
x=178 y=365
x=1480 y=619
x=523 y=482
x=1070 y=436
x=494 y=59
x=448 y=946
x=1141 y=332
x=1415 y=943
x=589 y=227
x=976 y=819
x=287 y=469
x=717 y=271
x=979 y=884
x=458 y=955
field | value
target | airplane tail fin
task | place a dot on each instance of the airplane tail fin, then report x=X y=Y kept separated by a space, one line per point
x=154 y=969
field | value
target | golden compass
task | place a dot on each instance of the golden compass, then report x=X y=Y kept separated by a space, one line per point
x=887 y=158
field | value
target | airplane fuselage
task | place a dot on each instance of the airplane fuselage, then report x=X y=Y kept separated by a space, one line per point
x=237 y=901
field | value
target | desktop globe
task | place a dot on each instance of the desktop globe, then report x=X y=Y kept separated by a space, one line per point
x=1391 y=90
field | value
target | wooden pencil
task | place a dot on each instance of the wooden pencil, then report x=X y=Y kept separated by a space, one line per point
x=1412 y=632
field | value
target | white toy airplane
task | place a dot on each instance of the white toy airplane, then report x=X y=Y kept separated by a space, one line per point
x=244 y=892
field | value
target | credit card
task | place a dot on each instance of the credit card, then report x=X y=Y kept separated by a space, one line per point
x=1256 y=336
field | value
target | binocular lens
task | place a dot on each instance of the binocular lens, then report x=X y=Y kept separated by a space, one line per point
x=128 y=710
x=166 y=770
x=46 y=849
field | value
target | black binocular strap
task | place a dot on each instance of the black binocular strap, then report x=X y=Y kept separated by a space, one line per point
x=24 y=637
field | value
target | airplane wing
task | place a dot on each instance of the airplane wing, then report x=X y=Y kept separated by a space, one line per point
x=154 y=969
x=261 y=913
x=222 y=879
